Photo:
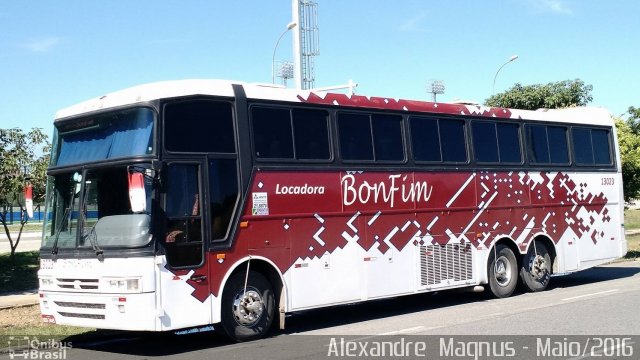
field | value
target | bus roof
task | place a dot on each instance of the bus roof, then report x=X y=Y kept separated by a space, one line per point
x=181 y=88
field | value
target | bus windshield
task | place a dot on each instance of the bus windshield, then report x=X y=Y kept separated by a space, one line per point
x=96 y=201
x=104 y=137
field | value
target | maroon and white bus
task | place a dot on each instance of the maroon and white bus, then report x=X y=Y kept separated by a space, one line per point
x=188 y=203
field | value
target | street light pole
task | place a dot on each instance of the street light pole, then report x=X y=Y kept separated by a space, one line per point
x=512 y=58
x=290 y=26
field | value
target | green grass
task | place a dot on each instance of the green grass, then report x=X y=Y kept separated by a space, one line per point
x=28 y=227
x=632 y=222
x=21 y=273
x=56 y=332
x=633 y=246
x=632 y=219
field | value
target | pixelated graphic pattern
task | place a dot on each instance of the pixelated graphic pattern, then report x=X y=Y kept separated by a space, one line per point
x=510 y=204
x=403 y=105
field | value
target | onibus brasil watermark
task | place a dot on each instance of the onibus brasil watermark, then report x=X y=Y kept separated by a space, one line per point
x=32 y=348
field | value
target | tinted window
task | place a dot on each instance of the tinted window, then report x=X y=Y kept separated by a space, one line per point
x=199 y=126
x=355 y=136
x=485 y=143
x=537 y=144
x=272 y=136
x=182 y=189
x=558 y=148
x=453 y=142
x=311 y=134
x=425 y=139
x=108 y=136
x=509 y=143
x=183 y=226
x=547 y=144
x=387 y=137
x=601 y=149
x=223 y=194
x=582 y=147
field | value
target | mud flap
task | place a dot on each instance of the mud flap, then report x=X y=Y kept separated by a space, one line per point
x=281 y=309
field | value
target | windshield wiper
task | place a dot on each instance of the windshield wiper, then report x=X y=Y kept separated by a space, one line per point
x=93 y=238
x=54 y=249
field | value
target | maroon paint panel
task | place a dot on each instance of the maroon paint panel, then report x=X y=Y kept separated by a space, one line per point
x=474 y=207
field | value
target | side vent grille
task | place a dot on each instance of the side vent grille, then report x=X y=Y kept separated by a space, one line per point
x=442 y=265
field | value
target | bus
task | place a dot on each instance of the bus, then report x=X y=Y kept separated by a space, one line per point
x=210 y=203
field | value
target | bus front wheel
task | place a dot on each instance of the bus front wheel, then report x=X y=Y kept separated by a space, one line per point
x=536 y=267
x=247 y=313
x=503 y=270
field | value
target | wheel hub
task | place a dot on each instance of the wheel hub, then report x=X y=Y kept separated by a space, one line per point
x=247 y=307
x=502 y=271
x=539 y=267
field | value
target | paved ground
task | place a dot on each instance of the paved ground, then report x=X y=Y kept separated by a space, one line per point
x=29 y=241
x=23 y=298
x=602 y=300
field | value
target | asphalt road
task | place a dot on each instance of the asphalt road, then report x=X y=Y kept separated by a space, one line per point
x=28 y=242
x=603 y=300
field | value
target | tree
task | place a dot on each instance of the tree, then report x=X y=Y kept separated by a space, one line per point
x=629 y=143
x=22 y=156
x=561 y=94
x=634 y=119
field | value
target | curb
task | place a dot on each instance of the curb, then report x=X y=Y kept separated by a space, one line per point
x=25 y=235
x=18 y=300
x=8 y=307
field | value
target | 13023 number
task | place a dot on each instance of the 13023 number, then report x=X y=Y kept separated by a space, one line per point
x=607 y=181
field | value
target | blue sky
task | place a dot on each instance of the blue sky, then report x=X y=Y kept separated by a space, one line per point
x=55 y=54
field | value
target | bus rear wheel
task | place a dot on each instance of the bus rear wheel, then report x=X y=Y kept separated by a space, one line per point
x=503 y=269
x=247 y=314
x=536 y=267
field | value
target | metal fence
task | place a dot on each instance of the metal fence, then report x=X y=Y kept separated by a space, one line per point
x=14 y=215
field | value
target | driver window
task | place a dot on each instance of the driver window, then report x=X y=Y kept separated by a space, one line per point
x=183 y=237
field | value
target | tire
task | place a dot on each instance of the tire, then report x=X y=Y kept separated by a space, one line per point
x=243 y=323
x=536 y=268
x=502 y=282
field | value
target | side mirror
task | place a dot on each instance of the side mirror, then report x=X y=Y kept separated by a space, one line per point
x=137 y=195
x=77 y=179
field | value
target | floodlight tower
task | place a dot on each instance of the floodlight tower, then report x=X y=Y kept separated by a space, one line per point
x=306 y=42
x=285 y=71
x=435 y=87
x=282 y=64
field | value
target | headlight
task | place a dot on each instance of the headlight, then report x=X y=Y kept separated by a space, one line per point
x=121 y=285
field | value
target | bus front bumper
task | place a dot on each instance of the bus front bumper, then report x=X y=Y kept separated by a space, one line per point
x=101 y=311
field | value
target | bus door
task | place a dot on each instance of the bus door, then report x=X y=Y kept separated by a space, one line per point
x=184 y=286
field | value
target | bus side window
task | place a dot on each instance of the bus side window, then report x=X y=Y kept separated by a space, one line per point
x=582 y=146
x=558 y=147
x=311 y=134
x=485 y=141
x=509 y=143
x=199 y=126
x=387 y=137
x=355 y=136
x=425 y=139
x=223 y=195
x=183 y=238
x=453 y=140
x=591 y=146
x=272 y=134
x=537 y=144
